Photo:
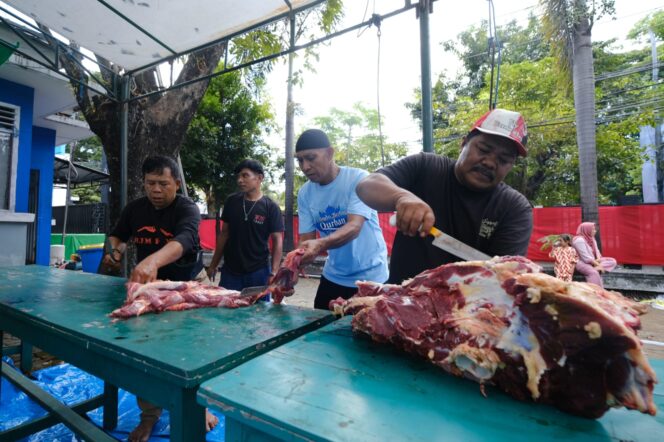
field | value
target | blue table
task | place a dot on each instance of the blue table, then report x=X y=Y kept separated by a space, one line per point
x=162 y=358
x=330 y=385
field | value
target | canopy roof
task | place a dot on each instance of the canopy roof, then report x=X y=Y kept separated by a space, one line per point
x=137 y=33
x=80 y=174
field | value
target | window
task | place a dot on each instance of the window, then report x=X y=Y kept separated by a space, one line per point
x=8 y=155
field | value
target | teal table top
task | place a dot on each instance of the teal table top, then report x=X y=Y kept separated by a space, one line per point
x=331 y=385
x=183 y=348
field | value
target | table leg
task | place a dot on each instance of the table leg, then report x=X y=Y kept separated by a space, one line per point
x=110 y=406
x=187 y=417
x=26 y=356
x=2 y=346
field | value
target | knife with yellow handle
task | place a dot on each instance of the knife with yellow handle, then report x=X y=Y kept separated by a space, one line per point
x=451 y=245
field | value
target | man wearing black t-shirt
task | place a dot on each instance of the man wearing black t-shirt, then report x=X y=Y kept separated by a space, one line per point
x=466 y=198
x=162 y=225
x=250 y=220
x=164 y=228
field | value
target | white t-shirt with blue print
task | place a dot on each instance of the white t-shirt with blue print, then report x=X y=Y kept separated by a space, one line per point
x=325 y=208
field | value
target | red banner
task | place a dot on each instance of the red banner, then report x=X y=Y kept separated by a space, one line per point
x=630 y=234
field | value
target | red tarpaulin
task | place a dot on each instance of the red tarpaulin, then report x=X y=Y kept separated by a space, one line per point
x=630 y=234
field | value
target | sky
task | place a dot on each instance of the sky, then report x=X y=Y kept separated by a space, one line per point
x=347 y=70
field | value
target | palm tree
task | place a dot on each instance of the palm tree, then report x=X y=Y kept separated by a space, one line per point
x=568 y=25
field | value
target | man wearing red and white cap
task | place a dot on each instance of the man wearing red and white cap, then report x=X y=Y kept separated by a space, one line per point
x=466 y=198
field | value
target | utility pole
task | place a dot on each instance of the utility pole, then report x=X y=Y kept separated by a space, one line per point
x=658 y=123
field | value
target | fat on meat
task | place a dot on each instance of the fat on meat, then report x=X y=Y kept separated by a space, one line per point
x=502 y=322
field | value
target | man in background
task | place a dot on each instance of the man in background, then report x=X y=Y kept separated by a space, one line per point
x=250 y=220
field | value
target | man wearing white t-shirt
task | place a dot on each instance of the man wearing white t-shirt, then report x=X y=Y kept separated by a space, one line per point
x=348 y=228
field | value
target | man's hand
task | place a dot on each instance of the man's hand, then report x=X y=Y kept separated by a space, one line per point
x=211 y=272
x=111 y=263
x=311 y=248
x=414 y=216
x=145 y=271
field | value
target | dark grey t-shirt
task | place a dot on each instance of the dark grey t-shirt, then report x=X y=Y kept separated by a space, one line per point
x=497 y=222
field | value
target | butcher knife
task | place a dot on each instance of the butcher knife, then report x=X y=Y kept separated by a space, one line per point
x=251 y=291
x=451 y=245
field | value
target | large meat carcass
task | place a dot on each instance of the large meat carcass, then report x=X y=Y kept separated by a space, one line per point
x=502 y=322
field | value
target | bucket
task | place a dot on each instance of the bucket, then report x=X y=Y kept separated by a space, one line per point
x=57 y=255
x=91 y=257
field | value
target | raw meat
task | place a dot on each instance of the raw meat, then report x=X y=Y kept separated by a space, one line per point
x=283 y=282
x=502 y=322
x=159 y=296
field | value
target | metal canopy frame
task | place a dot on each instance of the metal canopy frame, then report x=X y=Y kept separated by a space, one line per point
x=118 y=91
x=82 y=174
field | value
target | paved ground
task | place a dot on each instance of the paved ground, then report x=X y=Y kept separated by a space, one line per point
x=305 y=291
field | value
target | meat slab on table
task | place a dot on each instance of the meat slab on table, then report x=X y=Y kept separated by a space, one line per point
x=502 y=322
x=160 y=296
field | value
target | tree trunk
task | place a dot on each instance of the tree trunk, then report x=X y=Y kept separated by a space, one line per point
x=156 y=124
x=583 y=76
x=290 y=163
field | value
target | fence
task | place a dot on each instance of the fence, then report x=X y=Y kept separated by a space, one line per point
x=630 y=234
x=83 y=218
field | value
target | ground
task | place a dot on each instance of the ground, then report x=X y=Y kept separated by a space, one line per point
x=653 y=324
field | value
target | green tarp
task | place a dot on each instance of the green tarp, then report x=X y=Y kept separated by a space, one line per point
x=6 y=51
x=75 y=240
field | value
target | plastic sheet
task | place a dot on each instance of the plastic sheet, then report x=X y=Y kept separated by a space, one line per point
x=71 y=385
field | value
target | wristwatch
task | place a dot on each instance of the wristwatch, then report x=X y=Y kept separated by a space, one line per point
x=111 y=255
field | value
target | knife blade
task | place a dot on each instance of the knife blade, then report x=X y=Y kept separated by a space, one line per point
x=251 y=291
x=457 y=248
x=451 y=245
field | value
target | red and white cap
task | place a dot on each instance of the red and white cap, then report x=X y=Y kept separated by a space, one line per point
x=506 y=124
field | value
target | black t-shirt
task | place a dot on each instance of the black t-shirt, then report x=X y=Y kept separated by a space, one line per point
x=497 y=222
x=246 y=249
x=152 y=228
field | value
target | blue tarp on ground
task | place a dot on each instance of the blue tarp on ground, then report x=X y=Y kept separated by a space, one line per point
x=71 y=386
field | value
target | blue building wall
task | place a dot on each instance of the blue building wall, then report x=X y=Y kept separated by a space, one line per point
x=43 y=142
x=22 y=96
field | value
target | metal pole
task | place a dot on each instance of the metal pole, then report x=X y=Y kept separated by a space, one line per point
x=124 y=123
x=423 y=11
x=289 y=154
x=68 y=194
x=183 y=186
x=659 y=153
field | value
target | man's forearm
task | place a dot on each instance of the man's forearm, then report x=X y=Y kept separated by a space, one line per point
x=380 y=193
x=218 y=250
x=342 y=236
x=277 y=250
x=168 y=254
x=117 y=244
